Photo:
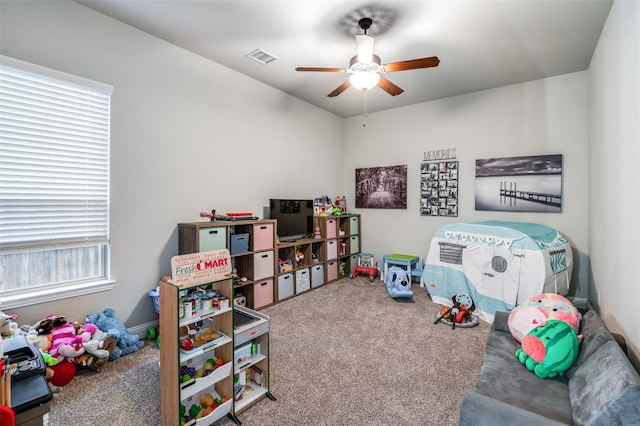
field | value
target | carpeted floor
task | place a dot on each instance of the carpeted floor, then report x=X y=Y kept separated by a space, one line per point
x=345 y=353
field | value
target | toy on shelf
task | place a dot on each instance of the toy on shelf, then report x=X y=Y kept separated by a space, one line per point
x=342 y=268
x=341 y=204
x=316 y=233
x=299 y=256
x=285 y=265
x=211 y=215
x=365 y=266
x=323 y=206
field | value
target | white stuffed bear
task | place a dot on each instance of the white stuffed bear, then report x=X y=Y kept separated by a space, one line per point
x=8 y=327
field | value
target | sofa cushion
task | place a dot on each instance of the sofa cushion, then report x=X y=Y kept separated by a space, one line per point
x=503 y=378
x=595 y=334
x=605 y=388
x=501 y=321
x=480 y=410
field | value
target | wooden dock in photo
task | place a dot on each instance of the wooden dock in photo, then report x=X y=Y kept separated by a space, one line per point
x=537 y=197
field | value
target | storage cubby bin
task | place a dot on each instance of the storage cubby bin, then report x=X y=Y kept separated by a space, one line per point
x=262 y=293
x=332 y=270
x=317 y=275
x=332 y=249
x=263 y=236
x=263 y=265
x=239 y=243
x=354 y=244
x=353 y=262
x=354 y=225
x=303 y=280
x=213 y=238
x=328 y=226
x=285 y=286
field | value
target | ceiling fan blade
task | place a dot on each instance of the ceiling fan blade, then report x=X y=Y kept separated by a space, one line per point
x=344 y=86
x=412 y=64
x=320 y=69
x=389 y=87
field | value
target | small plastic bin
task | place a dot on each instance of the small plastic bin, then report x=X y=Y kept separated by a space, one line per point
x=239 y=243
x=155 y=296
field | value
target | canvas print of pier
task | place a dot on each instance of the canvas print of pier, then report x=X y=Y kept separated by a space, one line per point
x=520 y=184
x=381 y=187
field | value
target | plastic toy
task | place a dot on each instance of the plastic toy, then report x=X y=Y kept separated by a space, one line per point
x=398 y=284
x=208 y=405
x=211 y=215
x=365 y=266
x=322 y=206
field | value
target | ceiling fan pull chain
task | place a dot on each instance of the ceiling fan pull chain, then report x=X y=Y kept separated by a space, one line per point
x=364 y=123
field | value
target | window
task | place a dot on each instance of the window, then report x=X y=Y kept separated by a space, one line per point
x=558 y=260
x=451 y=253
x=54 y=184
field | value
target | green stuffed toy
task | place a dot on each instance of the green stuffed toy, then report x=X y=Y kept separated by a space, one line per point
x=549 y=349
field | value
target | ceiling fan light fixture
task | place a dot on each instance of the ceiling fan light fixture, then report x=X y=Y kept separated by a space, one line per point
x=364 y=45
x=364 y=80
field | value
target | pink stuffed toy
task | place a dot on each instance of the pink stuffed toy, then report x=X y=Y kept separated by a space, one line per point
x=85 y=331
x=65 y=343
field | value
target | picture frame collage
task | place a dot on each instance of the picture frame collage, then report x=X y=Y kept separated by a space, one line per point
x=439 y=188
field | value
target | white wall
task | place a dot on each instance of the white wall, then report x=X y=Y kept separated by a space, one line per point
x=187 y=135
x=190 y=135
x=539 y=117
x=614 y=229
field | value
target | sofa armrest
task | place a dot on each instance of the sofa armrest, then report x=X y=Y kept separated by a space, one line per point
x=481 y=410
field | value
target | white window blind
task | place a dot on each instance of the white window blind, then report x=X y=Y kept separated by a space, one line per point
x=54 y=159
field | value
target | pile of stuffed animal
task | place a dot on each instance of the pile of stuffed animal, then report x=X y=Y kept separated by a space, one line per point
x=547 y=326
x=65 y=345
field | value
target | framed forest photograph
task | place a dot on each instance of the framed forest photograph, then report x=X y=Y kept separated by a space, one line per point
x=381 y=187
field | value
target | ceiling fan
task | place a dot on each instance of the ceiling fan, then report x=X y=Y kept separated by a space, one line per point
x=365 y=68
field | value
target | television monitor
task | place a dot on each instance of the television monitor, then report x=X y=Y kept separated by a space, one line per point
x=295 y=218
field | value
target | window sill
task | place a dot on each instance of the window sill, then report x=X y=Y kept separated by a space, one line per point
x=25 y=299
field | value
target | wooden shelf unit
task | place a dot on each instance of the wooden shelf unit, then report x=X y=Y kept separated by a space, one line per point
x=326 y=259
x=173 y=393
x=254 y=264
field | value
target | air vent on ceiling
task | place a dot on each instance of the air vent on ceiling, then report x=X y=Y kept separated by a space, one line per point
x=261 y=56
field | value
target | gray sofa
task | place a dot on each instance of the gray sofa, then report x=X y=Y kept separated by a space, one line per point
x=601 y=388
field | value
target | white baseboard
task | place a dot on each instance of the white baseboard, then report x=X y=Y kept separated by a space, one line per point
x=141 y=330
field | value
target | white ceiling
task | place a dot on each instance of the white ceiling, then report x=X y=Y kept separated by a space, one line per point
x=481 y=44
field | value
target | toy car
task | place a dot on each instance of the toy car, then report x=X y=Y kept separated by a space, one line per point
x=372 y=271
x=365 y=266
